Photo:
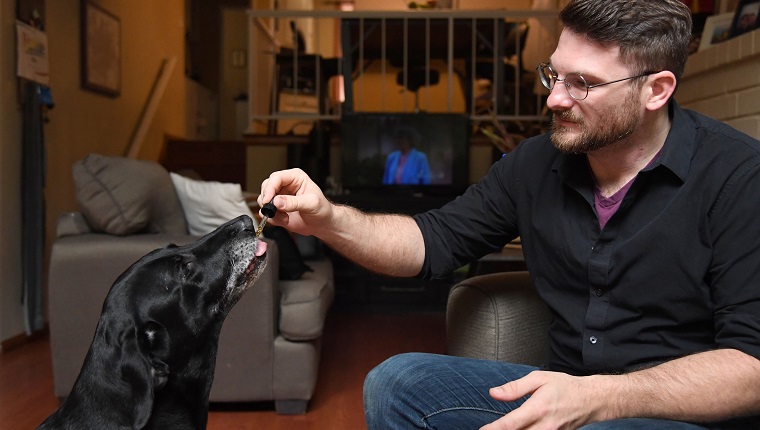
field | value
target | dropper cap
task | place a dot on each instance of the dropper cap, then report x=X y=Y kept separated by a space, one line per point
x=268 y=210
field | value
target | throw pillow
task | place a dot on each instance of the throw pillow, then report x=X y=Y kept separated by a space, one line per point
x=209 y=204
x=120 y=196
x=292 y=266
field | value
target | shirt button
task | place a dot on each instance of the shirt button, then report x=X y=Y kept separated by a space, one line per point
x=593 y=340
x=599 y=292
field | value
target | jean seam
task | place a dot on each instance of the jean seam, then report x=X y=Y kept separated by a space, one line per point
x=459 y=408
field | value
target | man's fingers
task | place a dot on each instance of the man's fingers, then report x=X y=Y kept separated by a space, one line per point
x=281 y=182
x=270 y=187
x=516 y=389
x=521 y=418
x=308 y=203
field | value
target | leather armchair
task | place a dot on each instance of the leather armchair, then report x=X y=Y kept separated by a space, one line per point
x=498 y=317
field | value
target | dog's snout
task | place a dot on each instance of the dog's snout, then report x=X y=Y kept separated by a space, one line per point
x=238 y=226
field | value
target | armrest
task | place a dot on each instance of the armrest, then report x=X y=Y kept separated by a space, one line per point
x=82 y=269
x=245 y=351
x=306 y=301
x=498 y=317
x=72 y=224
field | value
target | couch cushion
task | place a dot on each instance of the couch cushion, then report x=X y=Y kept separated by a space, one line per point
x=121 y=196
x=303 y=306
x=292 y=265
x=209 y=204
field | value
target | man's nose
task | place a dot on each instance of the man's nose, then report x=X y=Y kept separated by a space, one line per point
x=559 y=98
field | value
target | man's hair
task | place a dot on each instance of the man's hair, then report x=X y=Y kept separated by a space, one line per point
x=653 y=35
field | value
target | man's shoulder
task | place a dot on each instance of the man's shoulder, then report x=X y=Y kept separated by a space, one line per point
x=709 y=128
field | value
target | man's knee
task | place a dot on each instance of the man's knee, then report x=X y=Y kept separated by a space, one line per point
x=390 y=391
x=392 y=375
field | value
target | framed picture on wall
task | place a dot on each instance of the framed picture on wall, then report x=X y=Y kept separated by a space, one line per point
x=745 y=17
x=101 y=50
x=717 y=29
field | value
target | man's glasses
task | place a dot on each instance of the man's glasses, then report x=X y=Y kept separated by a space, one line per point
x=575 y=83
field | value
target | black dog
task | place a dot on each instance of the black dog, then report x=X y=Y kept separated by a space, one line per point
x=151 y=363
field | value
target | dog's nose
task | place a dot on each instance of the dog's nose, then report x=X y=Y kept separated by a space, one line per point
x=241 y=224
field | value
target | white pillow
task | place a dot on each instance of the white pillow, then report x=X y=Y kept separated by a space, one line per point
x=209 y=204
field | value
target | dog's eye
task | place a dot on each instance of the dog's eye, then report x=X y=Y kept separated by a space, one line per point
x=187 y=267
x=184 y=265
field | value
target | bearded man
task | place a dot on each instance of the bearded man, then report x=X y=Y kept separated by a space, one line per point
x=639 y=222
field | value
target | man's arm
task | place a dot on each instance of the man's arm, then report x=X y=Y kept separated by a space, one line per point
x=385 y=243
x=705 y=387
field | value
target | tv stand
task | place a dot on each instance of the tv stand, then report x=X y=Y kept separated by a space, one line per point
x=359 y=289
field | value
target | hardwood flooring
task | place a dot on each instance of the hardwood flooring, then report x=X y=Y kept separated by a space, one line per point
x=354 y=343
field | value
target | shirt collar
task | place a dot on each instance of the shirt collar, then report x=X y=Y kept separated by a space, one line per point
x=675 y=154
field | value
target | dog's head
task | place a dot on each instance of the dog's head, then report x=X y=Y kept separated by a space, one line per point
x=163 y=315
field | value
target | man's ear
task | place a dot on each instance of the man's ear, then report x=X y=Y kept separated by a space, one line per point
x=661 y=86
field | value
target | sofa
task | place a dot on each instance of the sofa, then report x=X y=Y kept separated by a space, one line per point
x=269 y=347
x=499 y=317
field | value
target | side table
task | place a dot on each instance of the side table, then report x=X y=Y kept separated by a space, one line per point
x=510 y=259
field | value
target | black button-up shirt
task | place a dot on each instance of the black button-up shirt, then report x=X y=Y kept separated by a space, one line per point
x=675 y=271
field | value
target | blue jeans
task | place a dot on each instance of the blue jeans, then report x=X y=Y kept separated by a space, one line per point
x=427 y=391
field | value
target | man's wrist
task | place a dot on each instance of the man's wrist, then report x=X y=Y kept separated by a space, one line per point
x=615 y=399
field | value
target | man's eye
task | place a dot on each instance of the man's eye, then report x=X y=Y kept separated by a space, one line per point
x=576 y=81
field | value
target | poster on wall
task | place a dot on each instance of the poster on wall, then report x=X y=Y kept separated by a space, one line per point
x=32 y=54
x=101 y=50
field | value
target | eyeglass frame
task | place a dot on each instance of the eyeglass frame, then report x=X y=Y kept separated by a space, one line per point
x=585 y=83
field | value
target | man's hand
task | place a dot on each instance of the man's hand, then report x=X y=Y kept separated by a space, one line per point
x=558 y=401
x=704 y=387
x=384 y=243
x=301 y=205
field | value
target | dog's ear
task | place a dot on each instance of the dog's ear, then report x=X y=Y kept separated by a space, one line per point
x=137 y=370
x=139 y=352
x=156 y=343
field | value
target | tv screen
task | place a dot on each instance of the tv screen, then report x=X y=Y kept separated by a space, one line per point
x=422 y=152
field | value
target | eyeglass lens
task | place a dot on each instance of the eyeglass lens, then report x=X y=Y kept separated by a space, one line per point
x=575 y=84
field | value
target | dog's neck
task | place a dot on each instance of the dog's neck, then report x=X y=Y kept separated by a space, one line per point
x=183 y=400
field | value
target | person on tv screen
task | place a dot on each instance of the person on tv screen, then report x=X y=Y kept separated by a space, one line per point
x=406 y=165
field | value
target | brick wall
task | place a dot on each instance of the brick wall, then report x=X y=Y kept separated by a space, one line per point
x=723 y=82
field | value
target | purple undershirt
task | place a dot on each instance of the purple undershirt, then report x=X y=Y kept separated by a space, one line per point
x=607 y=206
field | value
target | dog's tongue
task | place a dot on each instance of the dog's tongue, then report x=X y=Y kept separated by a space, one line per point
x=261 y=248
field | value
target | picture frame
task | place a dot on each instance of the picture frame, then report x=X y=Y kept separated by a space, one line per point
x=101 y=50
x=717 y=29
x=746 y=17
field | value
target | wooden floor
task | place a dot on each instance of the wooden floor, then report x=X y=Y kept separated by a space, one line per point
x=354 y=343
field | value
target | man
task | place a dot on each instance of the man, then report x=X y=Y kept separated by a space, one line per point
x=639 y=224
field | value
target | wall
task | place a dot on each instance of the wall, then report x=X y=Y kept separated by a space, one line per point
x=723 y=82
x=203 y=38
x=83 y=122
x=233 y=79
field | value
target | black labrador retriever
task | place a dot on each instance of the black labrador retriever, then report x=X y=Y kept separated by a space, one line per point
x=151 y=362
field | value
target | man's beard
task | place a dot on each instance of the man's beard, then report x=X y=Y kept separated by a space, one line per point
x=611 y=127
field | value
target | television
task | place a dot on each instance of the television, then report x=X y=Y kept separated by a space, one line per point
x=419 y=153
